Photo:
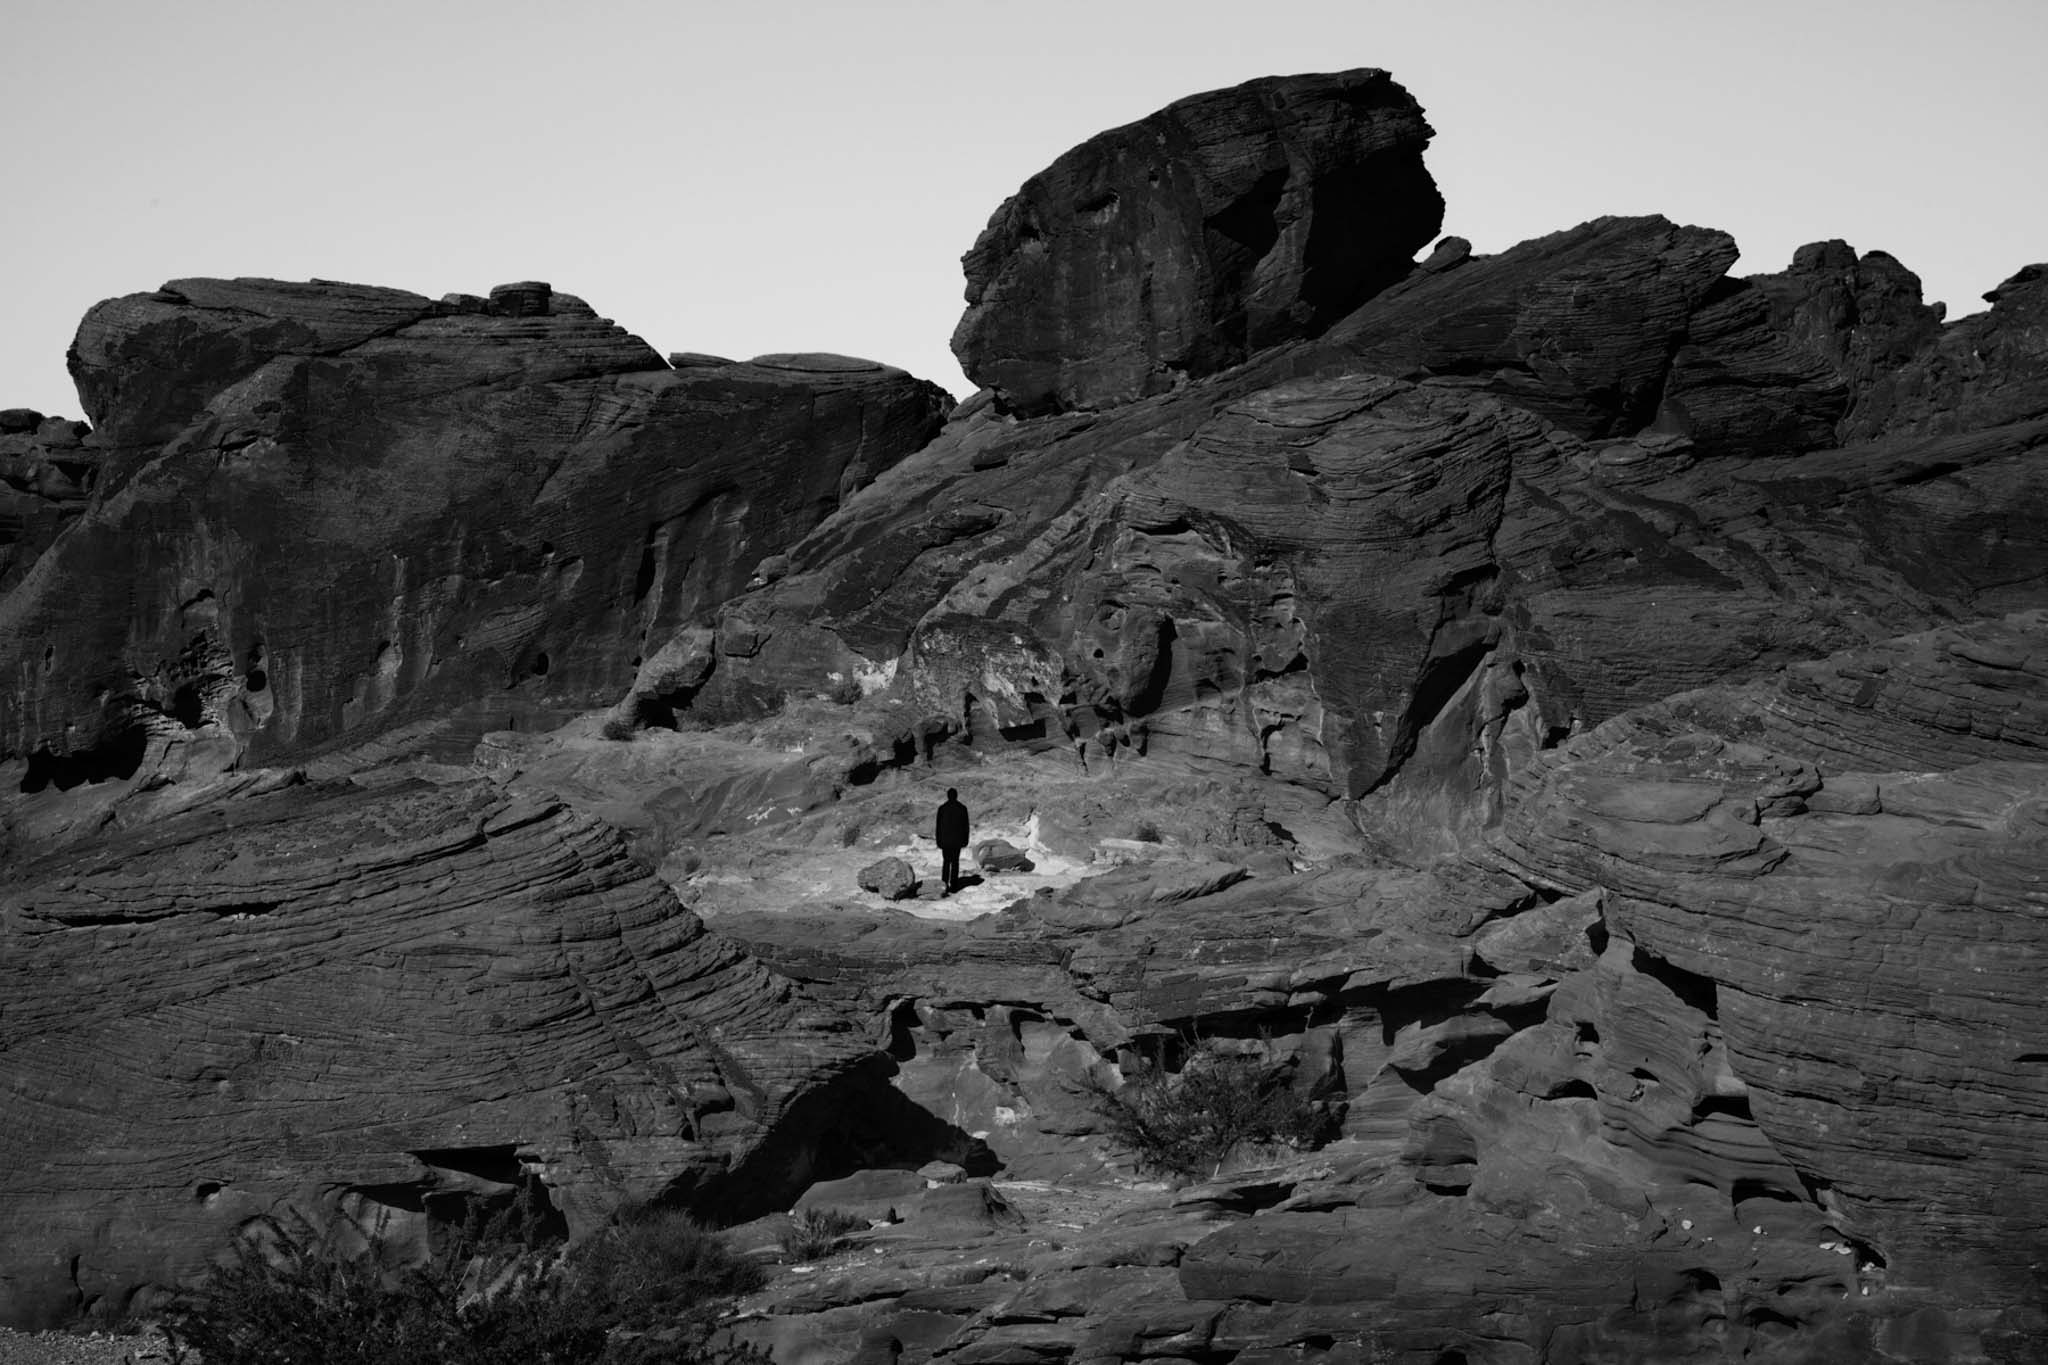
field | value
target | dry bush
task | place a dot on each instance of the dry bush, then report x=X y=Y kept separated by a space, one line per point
x=1218 y=1105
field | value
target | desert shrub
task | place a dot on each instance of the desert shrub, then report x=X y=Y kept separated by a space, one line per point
x=1217 y=1105
x=813 y=1233
x=648 y=1291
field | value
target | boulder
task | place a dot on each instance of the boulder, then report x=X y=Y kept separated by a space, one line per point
x=1178 y=245
x=890 y=878
x=999 y=855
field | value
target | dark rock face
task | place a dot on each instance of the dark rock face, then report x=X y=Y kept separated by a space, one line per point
x=48 y=467
x=390 y=1004
x=326 y=511
x=1180 y=244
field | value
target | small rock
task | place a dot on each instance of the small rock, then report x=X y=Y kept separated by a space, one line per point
x=890 y=878
x=1000 y=855
x=935 y=1173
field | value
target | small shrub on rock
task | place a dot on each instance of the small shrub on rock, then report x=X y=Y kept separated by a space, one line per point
x=1218 y=1105
x=817 y=1232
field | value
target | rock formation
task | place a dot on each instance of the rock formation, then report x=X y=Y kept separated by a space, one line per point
x=1577 y=717
x=389 y=1002
x=1178 y=245
x=325 y=511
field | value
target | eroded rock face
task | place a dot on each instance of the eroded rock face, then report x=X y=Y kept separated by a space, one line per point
x=1180 y=244
x=325 y=511
x=1717 y=1048
x=386 y=1004
x=48 y=466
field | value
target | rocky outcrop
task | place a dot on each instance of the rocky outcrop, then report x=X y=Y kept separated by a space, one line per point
x=48 y=466
x=388 y=1004
x=1717 y=1048
x=1178 y=245
x=1576 y=717
x=326 y=511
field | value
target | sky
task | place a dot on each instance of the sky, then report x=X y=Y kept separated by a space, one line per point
x=744 y=176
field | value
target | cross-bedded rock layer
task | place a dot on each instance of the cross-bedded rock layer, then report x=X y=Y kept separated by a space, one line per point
x=1723 y=1044
x=1670 y=977
x=383 y=1003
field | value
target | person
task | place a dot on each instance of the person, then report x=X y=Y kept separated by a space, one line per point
x=950 y=832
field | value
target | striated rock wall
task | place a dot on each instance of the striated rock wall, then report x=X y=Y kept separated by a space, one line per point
x=1719 y=1048
x=324 y=511
x=388 y=1004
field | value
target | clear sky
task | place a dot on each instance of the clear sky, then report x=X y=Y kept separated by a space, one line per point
x=745 y=176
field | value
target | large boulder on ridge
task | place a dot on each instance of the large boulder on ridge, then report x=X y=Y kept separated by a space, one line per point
x=326 y=511
x=1175 y=246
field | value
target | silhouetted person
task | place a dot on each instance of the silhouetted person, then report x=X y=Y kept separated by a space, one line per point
x=950 y=830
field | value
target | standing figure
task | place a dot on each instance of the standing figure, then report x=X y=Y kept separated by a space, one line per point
x=950 y=831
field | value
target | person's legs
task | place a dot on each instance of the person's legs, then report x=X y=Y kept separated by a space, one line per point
x=949 y=868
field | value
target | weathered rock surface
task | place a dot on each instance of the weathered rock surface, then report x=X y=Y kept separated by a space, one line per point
x=1506 y=497
x=48 y=466
x=327 y=511
x=1716 y=1049
x=1578 y=717
x=387 y=1003
x=1178 y=245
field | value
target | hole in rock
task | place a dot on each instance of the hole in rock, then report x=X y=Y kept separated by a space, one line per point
x=643 y=577
x=1574 y=1090
x=1729 y=1106
x=187 y=708
x=115 y=759
x=206 y=1189
x=255 y=679
x=1451 y=1358
x=540 y=664
x=1584 y=1032
x=1752 y=1188
x=903 y=1026
x=1596 y=937
x=497 y=1162
x=1692 y=988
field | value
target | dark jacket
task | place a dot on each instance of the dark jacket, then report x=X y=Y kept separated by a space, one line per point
x=950 y=830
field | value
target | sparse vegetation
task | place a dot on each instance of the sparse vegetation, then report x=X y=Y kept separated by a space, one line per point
x=818 y=1232
x=1218 y=1105
x=646 y=1292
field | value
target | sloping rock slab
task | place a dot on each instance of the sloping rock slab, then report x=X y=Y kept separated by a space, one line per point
x=384 y=1004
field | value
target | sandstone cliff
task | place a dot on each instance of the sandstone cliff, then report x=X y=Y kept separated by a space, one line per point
x=1578 y=715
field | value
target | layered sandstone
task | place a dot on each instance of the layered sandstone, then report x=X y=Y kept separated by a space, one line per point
x=388 y=1004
